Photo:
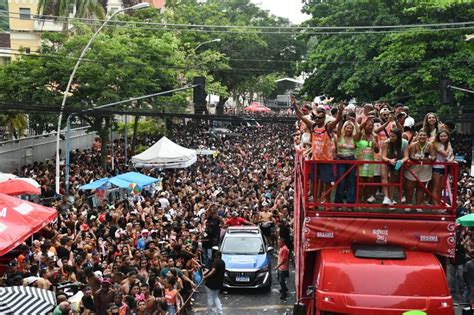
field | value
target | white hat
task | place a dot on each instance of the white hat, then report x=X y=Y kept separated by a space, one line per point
x=384 y=110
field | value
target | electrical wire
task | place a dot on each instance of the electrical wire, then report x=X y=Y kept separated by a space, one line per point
x=263 y=26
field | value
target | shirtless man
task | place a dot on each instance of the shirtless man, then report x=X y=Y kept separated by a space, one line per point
x=265 y=220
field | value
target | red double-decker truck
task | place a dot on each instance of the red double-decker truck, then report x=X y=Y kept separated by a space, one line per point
x=367 y=258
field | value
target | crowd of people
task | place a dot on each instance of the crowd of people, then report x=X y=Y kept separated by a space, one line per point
x=145 y=252
x=420 y=155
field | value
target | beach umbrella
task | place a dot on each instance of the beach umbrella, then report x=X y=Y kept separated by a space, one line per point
x=26 y=300
x=19 y=219
x=19 y=186
x=467 y=220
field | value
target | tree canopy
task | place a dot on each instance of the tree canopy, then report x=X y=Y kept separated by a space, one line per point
x=398 y=65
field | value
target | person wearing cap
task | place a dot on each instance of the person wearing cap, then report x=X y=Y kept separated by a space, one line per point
x=236 y=220
x=409 y=121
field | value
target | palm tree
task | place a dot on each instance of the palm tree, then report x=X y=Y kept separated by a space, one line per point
x=83 y=8
x=15 y=124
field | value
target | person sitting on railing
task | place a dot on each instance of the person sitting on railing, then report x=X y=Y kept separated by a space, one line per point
x=419 y=152
x=322 y=140
x=367 y=147
x=431 y=125
x=444 y=153
x=347 y=134
x=394 y=153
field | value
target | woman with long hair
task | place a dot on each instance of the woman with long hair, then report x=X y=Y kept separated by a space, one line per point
x=394 y=154
x=431 y=125
x=444 y=153
x=419 y=151
x=367 y=147
x=346 y=150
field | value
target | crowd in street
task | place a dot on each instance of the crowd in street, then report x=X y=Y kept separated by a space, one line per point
x=145 y=252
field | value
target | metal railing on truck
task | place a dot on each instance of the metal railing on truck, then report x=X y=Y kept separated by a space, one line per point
x=320 y=196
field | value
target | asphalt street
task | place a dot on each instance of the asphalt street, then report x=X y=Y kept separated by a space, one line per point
x=252 y=302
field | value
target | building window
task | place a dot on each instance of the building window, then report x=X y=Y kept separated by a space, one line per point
x=25 y=14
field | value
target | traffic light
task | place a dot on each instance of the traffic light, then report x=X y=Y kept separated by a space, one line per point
x=446 y=92
x=199 y=94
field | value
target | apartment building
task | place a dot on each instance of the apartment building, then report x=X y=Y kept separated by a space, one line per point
x=26 y=27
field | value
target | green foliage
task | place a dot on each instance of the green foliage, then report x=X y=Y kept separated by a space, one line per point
x=250 y=54
x=83 y=8
x=145 y=127
x=4 y=23
x=405 y=65
x=121 y=64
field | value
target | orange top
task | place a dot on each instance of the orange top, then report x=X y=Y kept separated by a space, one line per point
x=322 y=144
x=170 y=296
x=382 y=136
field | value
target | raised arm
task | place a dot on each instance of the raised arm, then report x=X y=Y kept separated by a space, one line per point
x=300 y=114
x=332 y=124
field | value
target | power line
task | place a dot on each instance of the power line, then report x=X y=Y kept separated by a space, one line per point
x=277 y=31
x=261 y=26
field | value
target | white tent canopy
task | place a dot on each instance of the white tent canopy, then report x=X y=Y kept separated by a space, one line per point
x=165 y=154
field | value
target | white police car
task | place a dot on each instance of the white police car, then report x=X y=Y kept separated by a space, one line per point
x=247 y=258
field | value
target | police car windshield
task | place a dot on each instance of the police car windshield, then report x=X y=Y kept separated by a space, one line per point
x=242 y=245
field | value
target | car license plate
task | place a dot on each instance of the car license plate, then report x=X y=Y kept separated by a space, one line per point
x=242 y=279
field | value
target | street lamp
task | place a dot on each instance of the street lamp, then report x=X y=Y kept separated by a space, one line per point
x=215 y=40
x=71 y=77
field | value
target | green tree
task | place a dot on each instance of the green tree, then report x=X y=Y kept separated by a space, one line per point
x=4 y=24
x=250 y=54
x=15 y=124
x=402 y=65
x=122 y=63
x=90 y=9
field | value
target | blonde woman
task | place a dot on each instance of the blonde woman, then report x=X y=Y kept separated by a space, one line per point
x=346 y=150
x=419 y=152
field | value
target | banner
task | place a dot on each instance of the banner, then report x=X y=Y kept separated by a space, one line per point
x=437 y=237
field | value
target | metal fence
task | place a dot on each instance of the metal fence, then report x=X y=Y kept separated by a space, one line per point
x=14 y=154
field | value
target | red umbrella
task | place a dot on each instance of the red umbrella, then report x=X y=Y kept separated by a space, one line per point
x=17 y=186
x=256 y=107
x=19 y=219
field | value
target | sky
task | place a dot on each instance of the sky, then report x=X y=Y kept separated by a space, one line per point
x=290 y=9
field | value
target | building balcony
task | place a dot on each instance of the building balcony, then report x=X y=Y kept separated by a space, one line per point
x=44 y=24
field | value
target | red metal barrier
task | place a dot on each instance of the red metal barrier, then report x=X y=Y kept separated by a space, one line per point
x=320 y=198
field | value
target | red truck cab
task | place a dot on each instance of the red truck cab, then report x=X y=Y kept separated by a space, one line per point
x=366 y=258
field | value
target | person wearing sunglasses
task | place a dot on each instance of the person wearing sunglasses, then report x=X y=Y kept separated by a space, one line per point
x=322 y=142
